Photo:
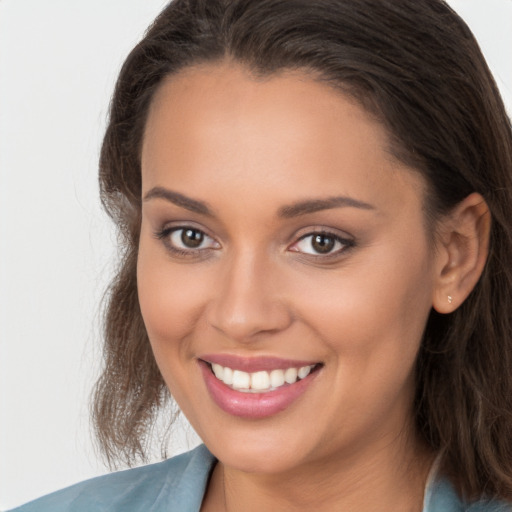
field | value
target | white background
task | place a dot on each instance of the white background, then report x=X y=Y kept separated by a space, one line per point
x=58 y=62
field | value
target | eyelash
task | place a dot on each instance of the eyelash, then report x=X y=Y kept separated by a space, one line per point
x=166 y=234
x=344 y=243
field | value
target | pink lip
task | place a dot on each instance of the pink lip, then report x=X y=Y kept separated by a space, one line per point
x=253 y=405
x=254 y=364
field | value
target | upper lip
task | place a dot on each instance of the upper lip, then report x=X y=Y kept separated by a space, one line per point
x=255 y=364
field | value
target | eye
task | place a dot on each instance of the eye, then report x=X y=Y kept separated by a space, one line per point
x=187 y=240
x=321 y=244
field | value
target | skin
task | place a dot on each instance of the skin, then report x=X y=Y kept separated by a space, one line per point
x=255 y=287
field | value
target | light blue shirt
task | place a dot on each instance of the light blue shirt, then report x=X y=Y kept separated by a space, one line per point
x=179 y=484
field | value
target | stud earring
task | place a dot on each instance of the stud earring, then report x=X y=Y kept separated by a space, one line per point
x=450 y=299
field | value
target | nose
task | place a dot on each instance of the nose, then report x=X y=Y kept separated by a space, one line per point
x=249 y=300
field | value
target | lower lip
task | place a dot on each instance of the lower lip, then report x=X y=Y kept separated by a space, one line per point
x=253 y=405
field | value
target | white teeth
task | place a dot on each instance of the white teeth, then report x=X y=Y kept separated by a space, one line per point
x=259 y=381
x=228 y=376
x=290 y=375
x=304 y=372
x=218 y=370
x=276 y=378
x=241 y=380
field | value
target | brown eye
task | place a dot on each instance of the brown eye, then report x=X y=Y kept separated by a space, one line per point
x=187 y=240
x=323 y=244
x=192 y=238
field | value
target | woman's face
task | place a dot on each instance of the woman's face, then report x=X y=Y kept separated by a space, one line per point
x=279 y=236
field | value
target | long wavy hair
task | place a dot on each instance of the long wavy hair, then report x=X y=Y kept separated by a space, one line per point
x=415 y=65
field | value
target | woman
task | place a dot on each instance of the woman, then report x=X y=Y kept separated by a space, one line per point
x=316 y=203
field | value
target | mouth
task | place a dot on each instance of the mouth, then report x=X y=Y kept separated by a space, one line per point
x=264 y=387
x=260 y=381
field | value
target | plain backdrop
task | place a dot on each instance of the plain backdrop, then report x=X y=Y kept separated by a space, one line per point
x=58 y=62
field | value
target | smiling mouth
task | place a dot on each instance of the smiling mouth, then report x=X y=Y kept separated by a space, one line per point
x=260 y=381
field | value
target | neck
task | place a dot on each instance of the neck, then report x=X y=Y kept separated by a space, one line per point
x=388 y=476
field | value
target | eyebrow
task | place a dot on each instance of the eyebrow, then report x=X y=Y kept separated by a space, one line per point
x=316 y=205
x=293 y=210
x=178 y=199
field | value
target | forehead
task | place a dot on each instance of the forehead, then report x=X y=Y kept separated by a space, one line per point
x=217 y=123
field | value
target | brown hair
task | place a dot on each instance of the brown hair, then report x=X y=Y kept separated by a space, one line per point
x=415 y=65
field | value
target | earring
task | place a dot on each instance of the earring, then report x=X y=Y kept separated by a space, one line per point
x=450 y=299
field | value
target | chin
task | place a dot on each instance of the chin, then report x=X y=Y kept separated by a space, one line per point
x=254 y=452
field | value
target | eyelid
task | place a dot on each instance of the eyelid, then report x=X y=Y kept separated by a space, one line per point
x=347 y=242
x=164 y=234
x=206 y=237
x=168 y=227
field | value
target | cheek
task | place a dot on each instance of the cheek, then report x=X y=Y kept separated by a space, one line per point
x=171 y=303
x=373 y=311
x=372 y=324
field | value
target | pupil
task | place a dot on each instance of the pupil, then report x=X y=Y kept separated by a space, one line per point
x=192 y=237
x=322 y=243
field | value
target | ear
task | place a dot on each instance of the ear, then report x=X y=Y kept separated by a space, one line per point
x=462 y=250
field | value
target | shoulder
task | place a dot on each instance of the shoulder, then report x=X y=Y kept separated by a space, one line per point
x=180 y=482
x=440 y=496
